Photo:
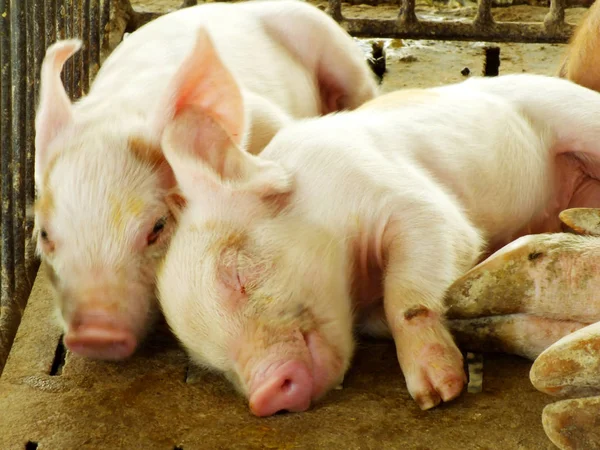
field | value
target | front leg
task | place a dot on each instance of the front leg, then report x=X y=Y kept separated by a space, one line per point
x=422 y=262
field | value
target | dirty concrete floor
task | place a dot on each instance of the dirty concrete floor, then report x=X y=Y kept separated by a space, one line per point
x=157 y=401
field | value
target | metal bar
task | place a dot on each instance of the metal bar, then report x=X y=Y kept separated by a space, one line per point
x=406 y=15
x=60 y=35
x=50 y=21
x=484 y=19
x=500 y=32
x=94 y=38
x=35 y=54
x=334 y=9
x=85 y=51
x=555 y=19
x=69 y=66
x=19 y=123
x=78 y=57
x=8 y=323
x=104 y=20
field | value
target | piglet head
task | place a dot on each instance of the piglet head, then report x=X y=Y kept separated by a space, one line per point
x=251 y=290
x=102 y=219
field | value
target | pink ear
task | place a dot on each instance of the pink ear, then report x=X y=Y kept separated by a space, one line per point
x=204 y=82
x=55 y=110
x=205 y=158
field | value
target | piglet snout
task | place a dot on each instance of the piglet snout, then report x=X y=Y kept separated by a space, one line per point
x=287 y=387
x=96 y=334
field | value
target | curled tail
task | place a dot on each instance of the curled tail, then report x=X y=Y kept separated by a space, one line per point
x=581 y=63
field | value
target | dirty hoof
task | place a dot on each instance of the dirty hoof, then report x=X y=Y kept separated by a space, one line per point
x=573 y=424
x=570 y=367
x=437 y=375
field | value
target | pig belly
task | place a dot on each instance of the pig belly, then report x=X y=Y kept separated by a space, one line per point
x=576 y=185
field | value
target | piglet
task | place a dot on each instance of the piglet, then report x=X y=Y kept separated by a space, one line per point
x=103 y=184
x=279 y=255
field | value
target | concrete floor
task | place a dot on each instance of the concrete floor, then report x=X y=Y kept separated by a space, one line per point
x=156 y=401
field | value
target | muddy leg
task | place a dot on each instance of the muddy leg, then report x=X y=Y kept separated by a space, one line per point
x=570 y=367
x=548 y=275
x=518 y=334
x=573 y=424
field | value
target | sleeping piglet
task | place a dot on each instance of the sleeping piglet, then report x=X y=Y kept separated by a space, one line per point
x=364 y=219
x=103 y=185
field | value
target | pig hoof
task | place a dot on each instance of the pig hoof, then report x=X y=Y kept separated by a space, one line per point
x=439 y=376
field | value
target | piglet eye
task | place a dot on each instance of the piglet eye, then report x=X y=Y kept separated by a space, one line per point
x=44 y=235
x=159 y=226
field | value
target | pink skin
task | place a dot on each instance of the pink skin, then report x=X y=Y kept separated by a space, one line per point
x=96 y=334
x=290 y=384
x=290 y=375
x=576 y=184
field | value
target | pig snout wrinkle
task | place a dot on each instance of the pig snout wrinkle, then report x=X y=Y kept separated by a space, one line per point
x=95 y=334
x=286 y=388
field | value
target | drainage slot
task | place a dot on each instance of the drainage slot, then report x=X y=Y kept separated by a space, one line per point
x=59 y=359
x=491 y=66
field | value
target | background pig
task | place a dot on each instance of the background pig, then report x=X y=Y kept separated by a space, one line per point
x=101 y=214
x=582 y=60
x=397 y=200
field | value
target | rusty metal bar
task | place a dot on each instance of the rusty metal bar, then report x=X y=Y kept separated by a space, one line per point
x=19 y=122
x=60 y=35
x=555 y=19
x=35 y=54
x=50 y=21
x=94 y=38
x=482 y=28
x=69 y=66
x=406 y=14
x=9 y=319
x=500 y=32
x=78 y=57
x=484 y=19
x=85 y=51
x=104 y=20
x=334 y=9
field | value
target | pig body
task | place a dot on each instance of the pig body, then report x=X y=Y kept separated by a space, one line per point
x=393 y=201
x=103 y=185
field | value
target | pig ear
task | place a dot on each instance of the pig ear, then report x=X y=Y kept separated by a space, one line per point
x=204 y=82
x=582 y=220
x=205 y=157
x=54 y=113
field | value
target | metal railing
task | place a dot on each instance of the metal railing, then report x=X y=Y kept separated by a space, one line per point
x=27 y=28
x=483 y=27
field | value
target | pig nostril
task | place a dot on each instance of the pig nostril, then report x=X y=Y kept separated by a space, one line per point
x=287 y=385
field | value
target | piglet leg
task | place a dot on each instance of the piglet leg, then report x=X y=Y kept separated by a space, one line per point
x=414 y=285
